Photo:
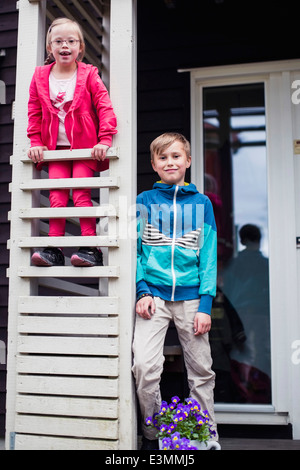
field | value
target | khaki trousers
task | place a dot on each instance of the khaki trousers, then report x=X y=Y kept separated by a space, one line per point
x=148 y=344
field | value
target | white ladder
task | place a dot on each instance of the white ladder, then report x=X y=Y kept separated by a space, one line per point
x=68 y=346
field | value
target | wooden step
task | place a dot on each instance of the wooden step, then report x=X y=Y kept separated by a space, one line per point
x=68 y=212
x=69 y=183
x=75 y=154
x=69 y=271
x=39 y=242
x=72 y=305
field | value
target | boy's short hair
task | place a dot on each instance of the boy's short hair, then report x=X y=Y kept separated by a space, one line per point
x=165 y=140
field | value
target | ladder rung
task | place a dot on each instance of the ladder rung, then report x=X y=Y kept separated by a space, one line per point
x=72 y=305
x=75 y=154
x=67 y=212
x=69 y=183
x=38 y=242
x=68 y=271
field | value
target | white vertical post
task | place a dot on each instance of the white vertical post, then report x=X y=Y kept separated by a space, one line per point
x=123 y=96
x=294 y=322
x=31 y=48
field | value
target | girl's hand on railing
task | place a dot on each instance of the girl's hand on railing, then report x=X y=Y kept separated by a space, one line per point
x=36 y=154
x=99 y=152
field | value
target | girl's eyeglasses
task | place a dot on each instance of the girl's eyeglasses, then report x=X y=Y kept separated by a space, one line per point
x=69 y=42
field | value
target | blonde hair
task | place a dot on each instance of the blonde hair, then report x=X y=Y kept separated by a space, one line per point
x=165 y=140
x=59 y=21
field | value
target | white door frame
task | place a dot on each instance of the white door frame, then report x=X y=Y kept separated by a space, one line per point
x=284 y=309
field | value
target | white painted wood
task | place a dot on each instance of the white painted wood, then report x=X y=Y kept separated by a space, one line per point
x=72 y=427
x=242 y=418
x=123 y=94
x=70 y=382
x=92 y=346
x=68 y=326
x=75 y=154
x=66 y=183
x=83 y=366
x=62 y=406
x=68 y=271
x=33 y=442
x=68 y=305
x=39 y=242
x=73 y=386
x=294 y=321
x=67 y=212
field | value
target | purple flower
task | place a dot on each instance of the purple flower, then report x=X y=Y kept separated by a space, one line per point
x=175 y=437
x=163 y=408
x=149 y=421
x=175 y=399
x=166 y=443
x=163 y=428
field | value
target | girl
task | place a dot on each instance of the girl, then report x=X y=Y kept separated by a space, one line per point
x=69 y=108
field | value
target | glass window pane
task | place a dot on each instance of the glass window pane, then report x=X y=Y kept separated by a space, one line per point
x=235 y=169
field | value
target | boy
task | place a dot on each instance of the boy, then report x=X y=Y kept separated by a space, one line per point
x=176 y=279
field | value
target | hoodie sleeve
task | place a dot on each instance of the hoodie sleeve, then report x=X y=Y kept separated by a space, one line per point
x=104 y=108
x=141 y=216
x=34 y=115
x=208 y=260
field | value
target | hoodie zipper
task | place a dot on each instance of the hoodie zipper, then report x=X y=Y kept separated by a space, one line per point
x=173 y=244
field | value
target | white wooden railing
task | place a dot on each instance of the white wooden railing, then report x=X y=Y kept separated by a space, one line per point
x=68 y=352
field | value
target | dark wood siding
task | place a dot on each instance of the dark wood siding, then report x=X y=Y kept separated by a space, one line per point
x=8 y=43
x=176 y=34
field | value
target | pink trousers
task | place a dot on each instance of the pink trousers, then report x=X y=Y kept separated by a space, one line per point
x=60 y=197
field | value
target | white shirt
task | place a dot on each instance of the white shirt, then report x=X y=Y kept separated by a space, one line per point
x=61 y=96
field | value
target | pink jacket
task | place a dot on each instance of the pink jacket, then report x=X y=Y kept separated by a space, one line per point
x=90 y=119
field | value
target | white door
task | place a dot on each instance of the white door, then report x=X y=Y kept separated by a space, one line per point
x=243 y=158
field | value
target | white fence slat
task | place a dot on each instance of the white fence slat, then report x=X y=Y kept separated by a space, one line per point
x=73 y=427
x=68 y=365
x=67 y=406
x=67 y=212
x=68 y=345
x=32 y=442
x=40 y=242
x=73 y=386
x=69 y=183
x=68 y=326
x=75 y=154
x=68 y=305
x=68 y=271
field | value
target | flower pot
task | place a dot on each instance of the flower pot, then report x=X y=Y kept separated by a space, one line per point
x=210 y=445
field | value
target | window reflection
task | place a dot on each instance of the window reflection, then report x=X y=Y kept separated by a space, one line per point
x=236 y=183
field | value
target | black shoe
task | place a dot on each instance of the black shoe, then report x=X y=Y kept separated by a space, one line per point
x=87 y=257
x=148 y=444
x=48 y=257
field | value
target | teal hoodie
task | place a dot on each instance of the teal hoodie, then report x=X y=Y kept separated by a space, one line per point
x=177 y=245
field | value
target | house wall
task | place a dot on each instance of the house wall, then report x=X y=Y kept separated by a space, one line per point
x=8 y=43
x=186 y=35
x=215 y=33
